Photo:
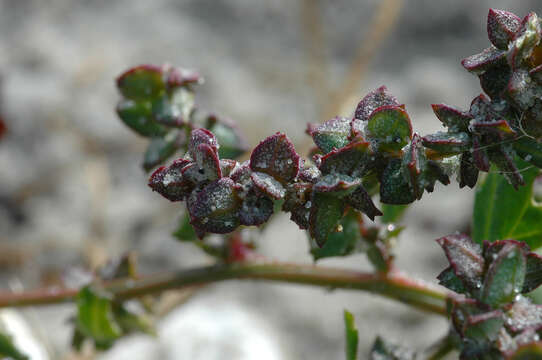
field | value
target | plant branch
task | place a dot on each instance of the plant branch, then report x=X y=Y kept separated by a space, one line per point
x=393 y=285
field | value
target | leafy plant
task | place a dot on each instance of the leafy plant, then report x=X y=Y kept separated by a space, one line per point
x=495 y=145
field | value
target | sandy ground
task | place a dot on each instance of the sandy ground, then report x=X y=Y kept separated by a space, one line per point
x=71 y=183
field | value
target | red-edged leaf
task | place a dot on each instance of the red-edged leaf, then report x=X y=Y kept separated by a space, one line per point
x=447 y=143
x=501 y=27
x=333 y=134
x=479 y=63
x=141 y=82
x=201 y=136
x=479 y=155
x=338 y=185
x=179 y=77
x=389 y=128
x=453 y=118
x=208 y=164
x=465 y=257
x=169 y=182
x=372 y=101
x=277 y=157
x=268 y=185
x=355 y=159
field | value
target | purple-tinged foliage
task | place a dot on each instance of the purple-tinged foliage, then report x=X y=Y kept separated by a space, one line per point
x=465 y=258
x=277 y=157
x=201 y=136
x=360 y=200
x=372 y=101
x=501 y=27
x=268 y=185
x=169 y=182
x=454 y=119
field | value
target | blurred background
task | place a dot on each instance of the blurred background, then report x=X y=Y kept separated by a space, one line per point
x=73 y=193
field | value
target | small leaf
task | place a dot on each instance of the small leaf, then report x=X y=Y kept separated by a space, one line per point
x=215 y=208
x=268 y=185
x=526 y=39
x=447 y=143
x=95 y=317
x=479 y=155
x=277 y=157
x=333 y=134
x=389 y=127
x=355 y=159
x=501 y=27
x=338 y=185
x=394 y=188
x=465 y=257
x=533 y=273
x=137 y=115
x=169 y=182
x=9 y=350
x=372 y=101
x=360 y=200
x=141 y=82
x=351 y=335
x=207 y=161
x=179 y=77
x=344 y=242
x=494 y=80
x=479 y=63
x=505 y=276
x=326 y=211
x=201 y=136
x=453 y=118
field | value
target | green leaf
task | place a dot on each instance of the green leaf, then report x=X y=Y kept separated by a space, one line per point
x=505 y=276
x=392 y=213
x=326 y=211
x=394 y=187
x=137 y=115
x=142 y=82
x=501 y=212
x=333 y=134
x=390 y=127
x=351 y=336
x=8 y=349
x=95 y=317
x=341 y=243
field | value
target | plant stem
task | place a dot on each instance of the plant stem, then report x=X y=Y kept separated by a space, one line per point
x=393 y=285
